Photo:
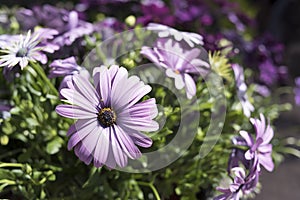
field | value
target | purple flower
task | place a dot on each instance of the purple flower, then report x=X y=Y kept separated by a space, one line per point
x=45 y=35
x=68 y=24
x=179 y=64
x=164 y=31
x=261 y=145
x=26 y=48
x=75 y=29
x=242 y=184
x=64 y=67
x=155 y=10
x=110 y=119
x=242 y=90
x=5 y=40
x=297 y=91
x=266 y=68
x=237 y=155
x=236 y=21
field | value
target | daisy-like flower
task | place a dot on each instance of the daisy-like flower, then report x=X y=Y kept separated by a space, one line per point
x=24 y=50
x=242 y=90
x=261 y=145
x=241 y=185
x=110 y=118
x=179 y=64
x=165 y=31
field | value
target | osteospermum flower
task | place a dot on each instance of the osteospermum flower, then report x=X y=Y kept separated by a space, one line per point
x=23 y=50
x=261 y=145
x=110 y=118
x=179 y=64
x=242 y=90
x=241 y=185
x=165 y=31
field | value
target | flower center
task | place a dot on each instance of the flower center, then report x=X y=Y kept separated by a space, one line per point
x=22 y=52
x=107 y=117
x=177 y=71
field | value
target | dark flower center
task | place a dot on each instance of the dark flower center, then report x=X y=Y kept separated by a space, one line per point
x=22 y=52
x=107 y=117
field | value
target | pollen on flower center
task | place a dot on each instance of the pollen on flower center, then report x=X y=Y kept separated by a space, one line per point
x=107 y=117
x=177 y=71
x=22 y=52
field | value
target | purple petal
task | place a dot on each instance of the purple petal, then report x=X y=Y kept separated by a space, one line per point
x=140 y=139
x=190 y=86
x=266 y=161
x=249 y=155
x=265 y=148
x=102 y=148
x=83 y=154
x=248 y=138
x=76 y=98
x=86 y=89
x=82 y=131
x=127 y=144
x=74 y=112
x=119 y=155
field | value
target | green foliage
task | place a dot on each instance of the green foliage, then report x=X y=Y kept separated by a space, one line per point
x=35 y=163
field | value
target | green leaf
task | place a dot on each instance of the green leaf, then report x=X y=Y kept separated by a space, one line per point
x=54 y=146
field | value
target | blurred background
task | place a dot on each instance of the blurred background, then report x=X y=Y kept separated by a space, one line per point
x=282 y=19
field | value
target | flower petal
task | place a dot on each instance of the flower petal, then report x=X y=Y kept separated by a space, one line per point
x=82 y=132
x=74 y=112
x=101 y=151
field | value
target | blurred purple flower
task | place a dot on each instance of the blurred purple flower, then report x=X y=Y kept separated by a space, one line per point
x=180 y=64
x=261 y=145
x=155 y=11
x=266 y=68
x=236 y=21
x=64 y=67
x=242 y=89
x=164 y=31
x=110 y=119
x=67 y=23
x=6 y=40
x=297 y=91
x=75 y=29
x=186 y=11
x=262 y=90
x=101 y=2
x=46 y=16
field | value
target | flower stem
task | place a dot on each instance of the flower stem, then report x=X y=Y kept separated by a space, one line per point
x=42 y=74
x=152 y=188
x=11 y=165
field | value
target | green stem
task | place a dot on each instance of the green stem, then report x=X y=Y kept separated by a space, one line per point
x=152 y=188
x=11 y=165
x=42 y=74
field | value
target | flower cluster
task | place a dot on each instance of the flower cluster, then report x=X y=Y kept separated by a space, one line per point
x=79 y=100
x=259 y=154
